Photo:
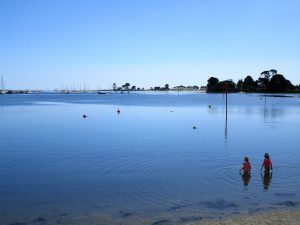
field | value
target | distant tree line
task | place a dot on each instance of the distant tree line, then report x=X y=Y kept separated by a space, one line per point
x=126 y=87
x=166 y=87
x=269 y=81
x=158 y=88
x=176 y=88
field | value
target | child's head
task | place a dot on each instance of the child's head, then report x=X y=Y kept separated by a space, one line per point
x=246 y=159
x=267 y=156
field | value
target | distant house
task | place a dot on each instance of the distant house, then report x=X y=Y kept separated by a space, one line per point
x=203 y=88
x=179 y=88
x=190 y=88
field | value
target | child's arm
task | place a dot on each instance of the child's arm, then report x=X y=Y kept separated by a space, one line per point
x=242 y=168
x=271 y=166
x=262 y=165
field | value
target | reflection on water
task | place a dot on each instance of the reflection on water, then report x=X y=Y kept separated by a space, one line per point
x=266 y=178
x=147 y=161
x=246 y=178
x=226 y=129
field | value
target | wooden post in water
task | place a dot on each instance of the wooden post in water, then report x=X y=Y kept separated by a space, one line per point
x=226 y=89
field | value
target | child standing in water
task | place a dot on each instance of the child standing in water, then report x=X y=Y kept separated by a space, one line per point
x=246 y=168
x=267 y=164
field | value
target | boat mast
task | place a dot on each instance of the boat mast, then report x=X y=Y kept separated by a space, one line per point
x=2 y=85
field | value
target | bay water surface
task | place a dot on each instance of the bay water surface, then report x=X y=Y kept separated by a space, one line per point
x=147 y=164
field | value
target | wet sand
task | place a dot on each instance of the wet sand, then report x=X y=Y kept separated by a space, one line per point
x=272 y=218
x=283 y=217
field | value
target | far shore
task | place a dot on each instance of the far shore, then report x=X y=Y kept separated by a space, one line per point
x=11 y=92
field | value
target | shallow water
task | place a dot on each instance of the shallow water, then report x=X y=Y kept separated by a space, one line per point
x=147 y=163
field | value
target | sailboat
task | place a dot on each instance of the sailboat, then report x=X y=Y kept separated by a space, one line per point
x=100 y=92
x=2 y=86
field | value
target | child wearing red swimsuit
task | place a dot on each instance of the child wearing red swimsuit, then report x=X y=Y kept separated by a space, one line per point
x=246 y=168
x=267 y=163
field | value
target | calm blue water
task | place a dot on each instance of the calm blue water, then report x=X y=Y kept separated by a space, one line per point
x=147 y=164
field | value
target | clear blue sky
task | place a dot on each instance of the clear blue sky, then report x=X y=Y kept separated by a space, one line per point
x=49 y=44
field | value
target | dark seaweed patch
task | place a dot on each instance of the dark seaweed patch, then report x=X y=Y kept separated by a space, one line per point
x=190 y=218
x=126 y=214
x=161 y=222
x=219 y=204
x=284 y=194
x=254 y=210
x=18 y=223
x=287 y=203
x=176 y=207
x=39 y=220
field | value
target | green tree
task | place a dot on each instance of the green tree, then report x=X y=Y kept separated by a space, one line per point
x=248 y=81
x=278 y=83
x=249 y=84
x=273 y=72
x=231 y=86
x=215 y=86
x=126 y=86
x=264 y=79
x=115 y=86
x=240 y=85
x=212 y=83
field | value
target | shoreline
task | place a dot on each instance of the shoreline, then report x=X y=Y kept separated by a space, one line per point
x=276 y=217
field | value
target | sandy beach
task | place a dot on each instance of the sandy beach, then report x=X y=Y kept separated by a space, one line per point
x=283 y=217
x=272 y=218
